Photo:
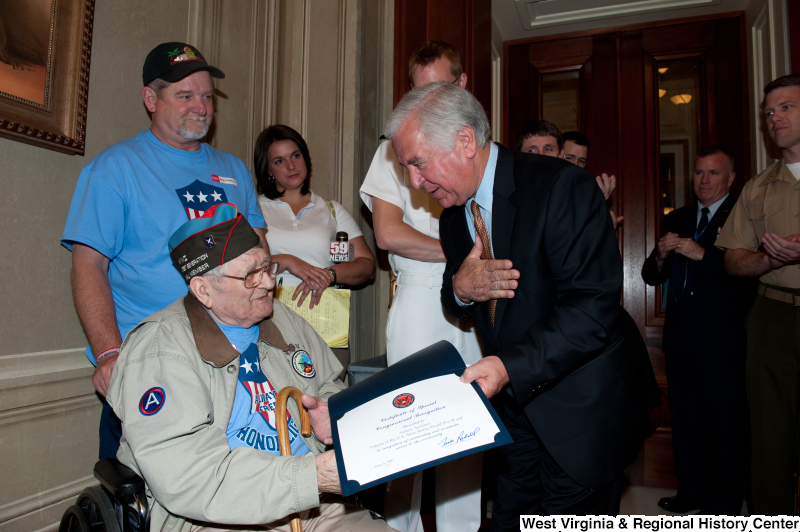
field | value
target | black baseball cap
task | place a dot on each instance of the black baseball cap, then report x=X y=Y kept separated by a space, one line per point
x=173 y=61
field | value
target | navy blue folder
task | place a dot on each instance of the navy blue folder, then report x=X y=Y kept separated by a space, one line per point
x=436 y=360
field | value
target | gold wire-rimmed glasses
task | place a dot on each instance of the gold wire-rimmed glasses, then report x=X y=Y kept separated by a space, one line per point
x=254 y=278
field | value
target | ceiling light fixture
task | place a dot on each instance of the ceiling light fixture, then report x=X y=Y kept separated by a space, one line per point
x=680 y=99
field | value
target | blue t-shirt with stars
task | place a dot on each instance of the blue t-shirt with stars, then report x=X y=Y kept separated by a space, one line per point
x=252 y=422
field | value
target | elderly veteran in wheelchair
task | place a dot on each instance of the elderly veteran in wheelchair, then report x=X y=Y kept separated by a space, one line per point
x=195 y=387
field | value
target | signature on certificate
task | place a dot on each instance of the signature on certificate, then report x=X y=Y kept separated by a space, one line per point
x=461 y=437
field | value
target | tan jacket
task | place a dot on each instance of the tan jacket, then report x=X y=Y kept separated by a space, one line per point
x=769 y=203
x=181 y=450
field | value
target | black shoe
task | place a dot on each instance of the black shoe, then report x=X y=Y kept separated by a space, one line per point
x=678 y=506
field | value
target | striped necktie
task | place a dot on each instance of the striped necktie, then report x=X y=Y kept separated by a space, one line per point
x=480 y=230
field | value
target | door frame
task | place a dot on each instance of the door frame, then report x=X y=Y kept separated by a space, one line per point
x=628 y=103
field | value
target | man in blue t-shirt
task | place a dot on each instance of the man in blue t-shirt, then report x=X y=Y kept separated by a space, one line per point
x=133 y=196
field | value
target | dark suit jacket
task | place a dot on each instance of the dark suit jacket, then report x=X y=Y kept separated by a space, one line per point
x=577 y=363
x=709 y=323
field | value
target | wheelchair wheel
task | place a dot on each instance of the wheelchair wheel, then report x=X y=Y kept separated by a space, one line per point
x=73 y=520
x=98 y=510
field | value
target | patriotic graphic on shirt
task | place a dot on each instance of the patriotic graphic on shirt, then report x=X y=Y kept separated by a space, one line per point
x=198 y=197
x=263 y=396
x=253 y=417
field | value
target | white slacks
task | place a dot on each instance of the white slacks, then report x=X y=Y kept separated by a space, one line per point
x=417 y=320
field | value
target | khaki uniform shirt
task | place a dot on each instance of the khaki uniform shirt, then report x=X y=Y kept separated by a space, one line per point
x=180 y=447
x=769 y=203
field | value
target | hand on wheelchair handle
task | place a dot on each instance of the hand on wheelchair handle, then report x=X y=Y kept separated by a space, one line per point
x=102 y=373
x=327 y=473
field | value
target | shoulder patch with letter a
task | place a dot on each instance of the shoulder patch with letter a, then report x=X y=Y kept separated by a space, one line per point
x=152 y=401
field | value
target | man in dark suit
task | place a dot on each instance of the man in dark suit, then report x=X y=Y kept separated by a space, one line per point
x=704 y=344
x=568 y=366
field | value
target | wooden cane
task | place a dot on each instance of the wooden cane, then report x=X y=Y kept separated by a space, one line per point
x=283 y=430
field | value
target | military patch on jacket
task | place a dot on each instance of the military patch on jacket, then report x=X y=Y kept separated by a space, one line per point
x=301 y=363
x=152 y=401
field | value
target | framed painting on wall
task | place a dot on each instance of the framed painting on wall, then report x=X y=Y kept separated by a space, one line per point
x=45 y=48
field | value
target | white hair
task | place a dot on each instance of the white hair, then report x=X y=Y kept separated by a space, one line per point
x=441 y=110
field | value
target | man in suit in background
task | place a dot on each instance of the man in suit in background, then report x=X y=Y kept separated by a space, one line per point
x=704 y=343
x=568 y=366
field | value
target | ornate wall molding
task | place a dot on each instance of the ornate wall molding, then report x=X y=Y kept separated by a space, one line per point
x=56 y=408
x=49 y=450
x=263 y=66
x=203 y=28
x=44 y=499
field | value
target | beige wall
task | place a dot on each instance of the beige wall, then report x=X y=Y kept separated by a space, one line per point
x=48 y=410
x=322 y=66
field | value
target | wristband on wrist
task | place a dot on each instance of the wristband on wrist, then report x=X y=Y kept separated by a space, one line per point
x=105 y=353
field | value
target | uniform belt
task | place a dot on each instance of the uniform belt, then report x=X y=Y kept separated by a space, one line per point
x=780 y=293
x=431 y=281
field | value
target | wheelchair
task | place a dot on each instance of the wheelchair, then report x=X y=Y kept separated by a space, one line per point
x=119 y=504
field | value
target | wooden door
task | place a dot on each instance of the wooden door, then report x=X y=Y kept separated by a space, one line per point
x=617 y=72
x=464 y=24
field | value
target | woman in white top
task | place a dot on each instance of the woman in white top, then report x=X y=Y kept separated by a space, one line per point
x=301 y=224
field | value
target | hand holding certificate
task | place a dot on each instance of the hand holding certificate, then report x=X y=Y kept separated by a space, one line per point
x=409 y=417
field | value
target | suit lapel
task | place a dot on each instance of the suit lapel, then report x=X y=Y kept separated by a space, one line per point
x=455 y=236
x=503 y=213
x=458 y=228
x=689 y=223
x=679 y=277
x=705 y=240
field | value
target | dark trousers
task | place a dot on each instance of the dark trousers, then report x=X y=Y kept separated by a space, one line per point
x=530 y=482
x=707 y=406
x=773 y=395
x=110 y=432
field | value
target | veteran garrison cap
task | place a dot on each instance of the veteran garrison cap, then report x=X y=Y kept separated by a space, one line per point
x=217 y=237
x=173 y=61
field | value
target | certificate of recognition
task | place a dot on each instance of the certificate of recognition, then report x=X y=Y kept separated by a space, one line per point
x=411 y=416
